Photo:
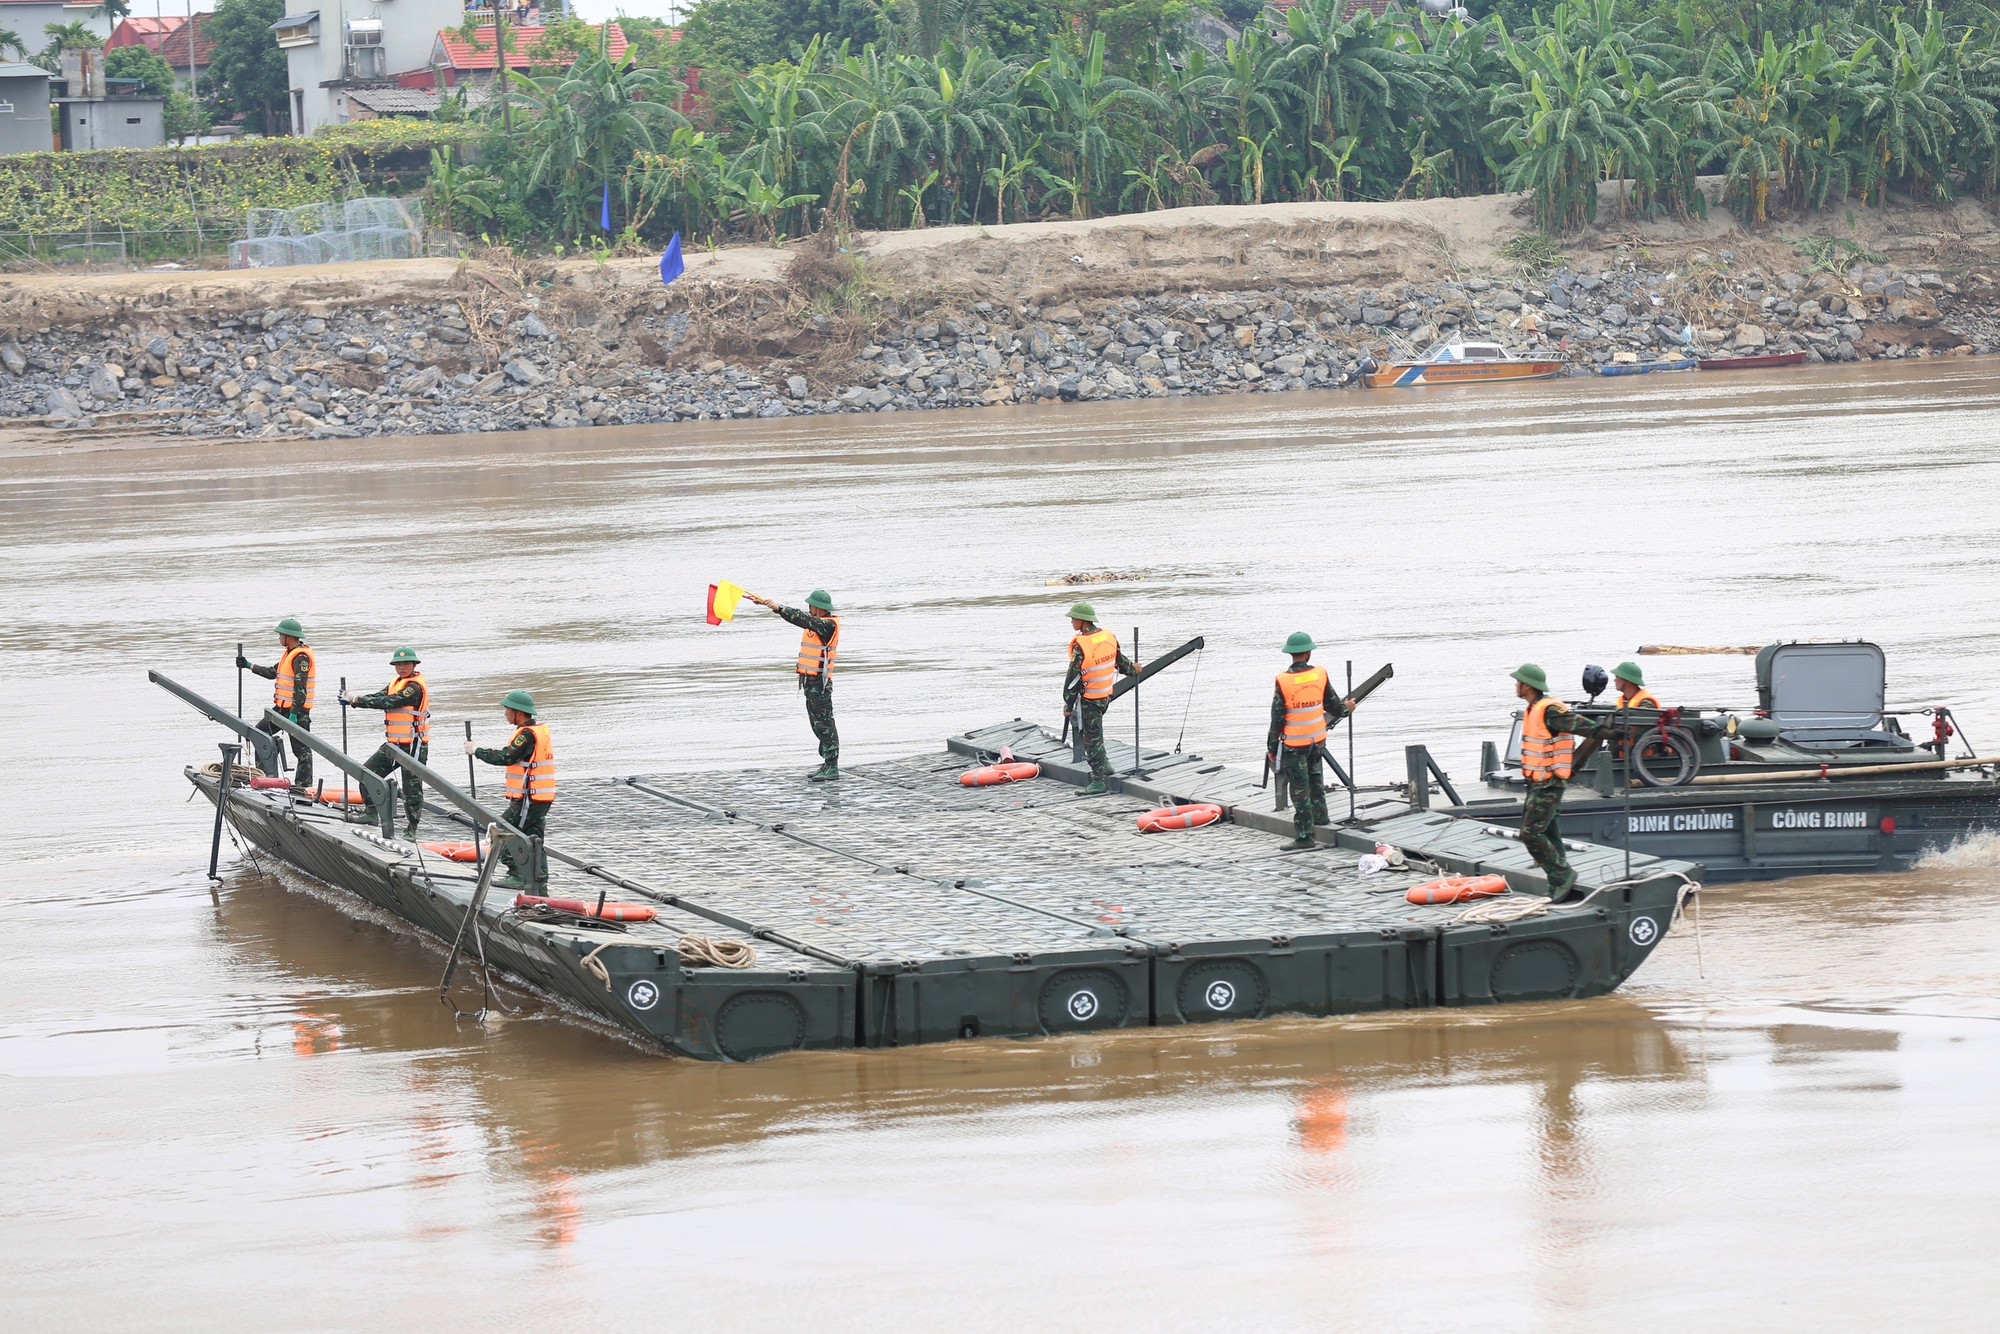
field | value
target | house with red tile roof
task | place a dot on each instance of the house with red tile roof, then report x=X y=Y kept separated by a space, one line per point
x=459 y=61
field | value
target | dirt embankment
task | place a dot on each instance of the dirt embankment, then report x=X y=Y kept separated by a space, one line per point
x=1187 y=301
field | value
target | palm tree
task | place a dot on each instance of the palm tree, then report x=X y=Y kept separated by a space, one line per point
x=11 y=41
x=1246 y=88
x=1085 y=109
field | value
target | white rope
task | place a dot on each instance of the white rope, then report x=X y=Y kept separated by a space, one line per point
x=719 y=953
x=596 y=969
x=1522 y=907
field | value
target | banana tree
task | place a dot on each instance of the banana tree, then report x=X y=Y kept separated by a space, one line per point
x=1083 y=109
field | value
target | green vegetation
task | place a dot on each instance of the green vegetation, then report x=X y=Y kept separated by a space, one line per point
x=156 y=78
x=919 y=113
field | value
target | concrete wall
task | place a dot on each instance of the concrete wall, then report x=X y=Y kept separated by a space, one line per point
x=30 y=18
x=25 y=128
x=113 y=122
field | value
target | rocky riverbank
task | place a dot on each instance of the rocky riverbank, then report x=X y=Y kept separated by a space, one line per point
x=484 y=347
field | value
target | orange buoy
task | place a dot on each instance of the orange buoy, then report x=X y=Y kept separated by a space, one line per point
x=453 y=852
x=993 y=774
x=267 y=784
x=613 y=912
x=1179 y=817
x=1457 y=889
x=345 y=796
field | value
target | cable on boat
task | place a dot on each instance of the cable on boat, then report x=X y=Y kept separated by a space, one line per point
x=1192 y=680
x=1521 y=907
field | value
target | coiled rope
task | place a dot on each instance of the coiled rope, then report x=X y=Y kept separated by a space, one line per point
x=700 y=950
x=242 y=772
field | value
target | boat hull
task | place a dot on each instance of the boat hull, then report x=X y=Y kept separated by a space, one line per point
x=1764 y=363
x=1646 y=367
x=1411 y=374
x=1774 y=831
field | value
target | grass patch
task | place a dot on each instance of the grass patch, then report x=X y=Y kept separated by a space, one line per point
x=1834 y=254
x=1533 y=254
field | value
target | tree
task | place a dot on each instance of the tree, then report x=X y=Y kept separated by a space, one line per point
x=11 y=41
x=72 y=35
x=155 y=76
x=184 y=118
x=247 y=69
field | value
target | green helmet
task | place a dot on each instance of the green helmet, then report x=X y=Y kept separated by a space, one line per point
x=1629 y=671
x=820 y=598
x=1530 y=675
x=518 y=699
x=405 y=654
x=1300 y=642
x=290 y=626
x=1083 y=611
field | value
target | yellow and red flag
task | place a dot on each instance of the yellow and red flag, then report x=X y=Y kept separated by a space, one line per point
x=722 y=600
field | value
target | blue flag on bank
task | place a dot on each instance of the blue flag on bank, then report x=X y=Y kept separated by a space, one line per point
x=604 y=219
x=671 y=266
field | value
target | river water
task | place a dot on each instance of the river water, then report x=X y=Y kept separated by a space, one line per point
x=251 y=1112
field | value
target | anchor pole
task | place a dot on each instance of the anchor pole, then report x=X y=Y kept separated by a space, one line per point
x=1136 y=773
x=239 y=678
x=472 y=777
x=229 y=753
x=1350 y=742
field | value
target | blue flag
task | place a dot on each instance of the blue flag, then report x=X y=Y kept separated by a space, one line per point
x=670 y=263
x=604 y=220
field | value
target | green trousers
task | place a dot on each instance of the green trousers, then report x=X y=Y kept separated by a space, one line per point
x=1089 y=716
x=819 y=712
x=1541 y=834
x=413 y=787
x=1305 y=779
x=532 y=819
x=302 y=772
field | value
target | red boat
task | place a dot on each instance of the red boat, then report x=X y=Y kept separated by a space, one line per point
x=1763 y=363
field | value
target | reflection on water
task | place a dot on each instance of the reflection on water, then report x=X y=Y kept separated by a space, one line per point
x=253 y=1112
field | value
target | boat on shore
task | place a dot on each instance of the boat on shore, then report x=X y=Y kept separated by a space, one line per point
x=1765 y=362
x=1819 y=778
x=1645 y=367
x=1462 y=363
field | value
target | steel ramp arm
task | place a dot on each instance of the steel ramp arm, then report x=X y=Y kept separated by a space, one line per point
x=1157 y=665
x=373 y=786
x=262 y=744
x=469 y=806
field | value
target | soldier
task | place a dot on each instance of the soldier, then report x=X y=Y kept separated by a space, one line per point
x=1302 y=710
x=531 y=785
x=1549 y=730
x=295 y=676
x=406 y=724
x=1632 y=692
x=1093 y=656
x=819 y=645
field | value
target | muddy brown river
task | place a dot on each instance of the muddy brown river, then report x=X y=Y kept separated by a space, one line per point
x=250 y=1112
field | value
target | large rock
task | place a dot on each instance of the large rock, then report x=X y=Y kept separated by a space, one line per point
x=11 y=356
x=60 y=402
x=1118 y=382
x=1040 y=344
x=1917 y=310
x=796 y=386
x=532 y=326
x=104 y=384
x=1750 y=335
x=1613 y=315
x=1290 y=364
x=1503 y=300
x=1377 y=316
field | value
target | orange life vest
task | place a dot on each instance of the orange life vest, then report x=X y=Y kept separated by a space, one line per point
x=286 y=683
x=1305 y=705
x=1645 y=699
x=408 y=726
x=816 y=658
x=535 y=779
x=1100 y=661
x=1544 y=754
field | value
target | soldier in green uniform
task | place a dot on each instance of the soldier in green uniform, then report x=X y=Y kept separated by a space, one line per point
x=406 y=725
x=1548 y=732
x=1093 y=657
x=819 y=645
x=1303 y=707
x=294 y=677
x=530 y=758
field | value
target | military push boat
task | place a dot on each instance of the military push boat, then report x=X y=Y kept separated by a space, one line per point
x=1819 y=778
x=902 y=906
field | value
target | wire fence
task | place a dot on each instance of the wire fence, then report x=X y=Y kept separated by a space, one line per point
x=340 y=232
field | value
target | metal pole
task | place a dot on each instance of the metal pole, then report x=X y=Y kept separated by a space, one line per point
x=239 y=678
x=472 y=776
x=1350 y=742
x=1625 y=790
x=487 y=863
x=343 y=716
x=1135 y=705
x=229 y=754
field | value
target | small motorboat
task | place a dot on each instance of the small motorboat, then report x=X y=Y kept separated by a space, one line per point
x=1761 y=363
x=1645 y=367
x=1461 y=363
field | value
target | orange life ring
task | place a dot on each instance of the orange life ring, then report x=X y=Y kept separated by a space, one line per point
x=453 y=852
x=344 y=796
x=1179 y=817
x=1457 y=889
x=993 y=774
x=613 y=912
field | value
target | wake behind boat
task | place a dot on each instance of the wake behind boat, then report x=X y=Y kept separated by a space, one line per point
x=1461 y=363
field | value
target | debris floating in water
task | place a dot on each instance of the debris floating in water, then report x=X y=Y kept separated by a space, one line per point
x=1671 y=650
x=1105 y=577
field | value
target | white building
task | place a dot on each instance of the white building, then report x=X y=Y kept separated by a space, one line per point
x=349 y=44
x=29 y=18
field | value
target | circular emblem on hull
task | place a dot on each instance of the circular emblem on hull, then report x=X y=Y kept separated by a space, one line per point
x=1644 y=931
x=1221 y=989
x=642 y=995
x=1077 y=998
x=1220 y=995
